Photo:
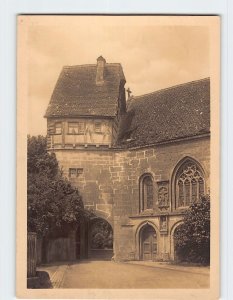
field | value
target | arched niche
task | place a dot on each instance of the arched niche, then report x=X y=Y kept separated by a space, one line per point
x=172 y=238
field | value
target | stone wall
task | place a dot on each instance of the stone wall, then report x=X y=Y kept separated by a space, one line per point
x=160 y=161
x=108 y=181
x=94 y=179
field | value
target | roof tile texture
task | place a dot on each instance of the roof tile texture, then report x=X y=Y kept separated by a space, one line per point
x=177 y=112
x=77 y=93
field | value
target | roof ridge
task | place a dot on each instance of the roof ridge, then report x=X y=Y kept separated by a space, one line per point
x=75 y=66
x=171 y=87
x=88 y=65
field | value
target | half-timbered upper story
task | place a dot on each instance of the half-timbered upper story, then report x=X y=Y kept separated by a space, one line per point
x=86 y=106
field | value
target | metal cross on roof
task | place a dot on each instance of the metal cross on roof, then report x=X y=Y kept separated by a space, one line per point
x=129 y=92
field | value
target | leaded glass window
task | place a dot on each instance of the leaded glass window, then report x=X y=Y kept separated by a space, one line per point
x=148 y=192
x=189 y=184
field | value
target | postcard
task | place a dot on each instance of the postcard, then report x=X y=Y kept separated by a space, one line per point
x=118 y=156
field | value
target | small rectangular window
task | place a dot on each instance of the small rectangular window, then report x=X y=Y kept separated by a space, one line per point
x=75 y=172
x=81 y=127
x=76 y=128
x=73 y=128
x=58 y=128
x=98 y=127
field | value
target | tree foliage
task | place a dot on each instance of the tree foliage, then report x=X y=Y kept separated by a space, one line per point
x=102 y=235
x=54 y=206
x=192 y=238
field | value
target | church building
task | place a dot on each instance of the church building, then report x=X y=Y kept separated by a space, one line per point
x=137 y=161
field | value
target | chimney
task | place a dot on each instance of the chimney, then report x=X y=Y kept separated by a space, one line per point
x=100 y=70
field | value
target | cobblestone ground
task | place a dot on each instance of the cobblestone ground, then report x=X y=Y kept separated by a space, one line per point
x=107 y=274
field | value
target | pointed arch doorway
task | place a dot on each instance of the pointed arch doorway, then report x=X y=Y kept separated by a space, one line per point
x=148 y=243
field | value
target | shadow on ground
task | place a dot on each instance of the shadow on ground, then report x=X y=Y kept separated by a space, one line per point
x=40 y=281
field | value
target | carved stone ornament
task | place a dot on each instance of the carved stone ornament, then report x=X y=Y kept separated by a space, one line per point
x=163 y=195
x=163 y=224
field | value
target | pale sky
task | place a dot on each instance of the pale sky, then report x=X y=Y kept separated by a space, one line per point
x=153 y=55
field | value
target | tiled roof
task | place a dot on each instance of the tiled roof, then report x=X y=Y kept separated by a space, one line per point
x=77 y=94
x=176 y=112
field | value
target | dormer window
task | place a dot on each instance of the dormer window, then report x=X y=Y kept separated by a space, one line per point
x=98 y=127
x=58 y=128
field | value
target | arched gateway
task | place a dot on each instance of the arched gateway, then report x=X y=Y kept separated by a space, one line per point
x=94 y=239
x=100 y=239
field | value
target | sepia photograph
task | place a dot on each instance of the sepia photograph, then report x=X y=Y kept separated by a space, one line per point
x=118 y=156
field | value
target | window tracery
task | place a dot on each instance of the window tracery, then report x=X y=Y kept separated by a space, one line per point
x=189 y=184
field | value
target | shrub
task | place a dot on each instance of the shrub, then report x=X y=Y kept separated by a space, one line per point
x=192 y=238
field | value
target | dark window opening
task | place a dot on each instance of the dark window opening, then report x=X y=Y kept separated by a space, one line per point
x=147 y=193
x=75 y=172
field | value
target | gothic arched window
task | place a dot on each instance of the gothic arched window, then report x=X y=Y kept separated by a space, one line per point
x=146 y=192
x=189 y=184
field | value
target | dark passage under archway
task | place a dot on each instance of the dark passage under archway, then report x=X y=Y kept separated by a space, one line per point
x=94 y=240
x=100 y=239
x=101 y=234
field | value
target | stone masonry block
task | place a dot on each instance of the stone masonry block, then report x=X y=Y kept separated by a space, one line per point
x=134 y=163
x=149 y=153
x=143 y=163
x=115 y=169
x=131 y=154
x=141 y=154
